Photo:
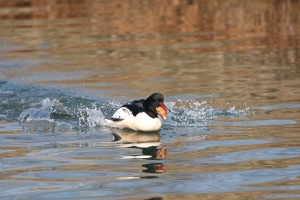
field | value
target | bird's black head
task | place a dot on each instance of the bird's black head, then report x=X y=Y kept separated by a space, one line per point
x=154 y=105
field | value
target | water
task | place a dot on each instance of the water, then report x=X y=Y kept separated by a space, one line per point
x=230 y=75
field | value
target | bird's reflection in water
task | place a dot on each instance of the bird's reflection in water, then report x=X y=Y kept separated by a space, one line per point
x=148 y=142
x=154 y=168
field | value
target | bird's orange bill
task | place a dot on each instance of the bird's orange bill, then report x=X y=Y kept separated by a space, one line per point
x=162 y=110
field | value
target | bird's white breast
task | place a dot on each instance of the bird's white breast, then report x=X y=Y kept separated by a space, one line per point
x=141 y=121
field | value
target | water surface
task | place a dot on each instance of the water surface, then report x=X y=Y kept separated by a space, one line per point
x=230 y=75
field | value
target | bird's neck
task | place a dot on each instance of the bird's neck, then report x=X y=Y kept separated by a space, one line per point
x=148 y=110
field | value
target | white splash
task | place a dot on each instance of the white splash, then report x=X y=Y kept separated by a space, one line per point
x=192 y=113
x=62 y=118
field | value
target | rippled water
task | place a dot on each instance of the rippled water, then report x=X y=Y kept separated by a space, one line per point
x=230 y=75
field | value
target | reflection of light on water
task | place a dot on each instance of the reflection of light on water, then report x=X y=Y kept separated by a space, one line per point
x=278 y=107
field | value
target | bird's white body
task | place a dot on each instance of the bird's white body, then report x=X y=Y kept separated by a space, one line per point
x=140 y=122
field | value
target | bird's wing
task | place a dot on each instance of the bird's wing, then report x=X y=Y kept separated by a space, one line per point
x=132 y=108
x=135 y=107
x=121 y=114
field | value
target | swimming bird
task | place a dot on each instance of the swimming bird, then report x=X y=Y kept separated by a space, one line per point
x=141 y=115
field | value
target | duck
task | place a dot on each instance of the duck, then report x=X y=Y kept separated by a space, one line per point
x=141 y=115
